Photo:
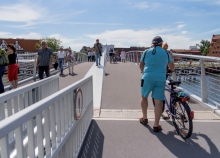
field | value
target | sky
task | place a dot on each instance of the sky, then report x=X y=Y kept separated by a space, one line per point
x=123 y=23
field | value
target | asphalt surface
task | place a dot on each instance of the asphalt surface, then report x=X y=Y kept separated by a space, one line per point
x=121 y=88
x=80 y=71
x=130 y=139
x=122 y=137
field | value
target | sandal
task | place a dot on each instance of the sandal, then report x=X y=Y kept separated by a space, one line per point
x=157 y=129
x=143 y=121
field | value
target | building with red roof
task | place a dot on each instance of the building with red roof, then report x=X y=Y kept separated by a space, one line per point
x=22 y=45
x=214 y=49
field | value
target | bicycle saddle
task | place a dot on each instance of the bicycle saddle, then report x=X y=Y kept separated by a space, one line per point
x=174 y=83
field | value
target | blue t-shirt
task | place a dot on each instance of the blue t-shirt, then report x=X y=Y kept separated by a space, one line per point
x=155 y=64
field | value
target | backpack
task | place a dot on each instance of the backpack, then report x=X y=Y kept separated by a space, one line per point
x=3 y=58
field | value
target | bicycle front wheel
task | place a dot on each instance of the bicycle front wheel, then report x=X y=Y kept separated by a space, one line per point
x=182 y=120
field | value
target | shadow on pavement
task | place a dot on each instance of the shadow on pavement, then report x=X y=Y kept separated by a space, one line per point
x=64 y=75
x=93 y=144
x=73 y=74
x=186 y=148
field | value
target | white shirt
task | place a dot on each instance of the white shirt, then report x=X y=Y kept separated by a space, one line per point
x=123 y=53
x=89 y=54
x=61 y=54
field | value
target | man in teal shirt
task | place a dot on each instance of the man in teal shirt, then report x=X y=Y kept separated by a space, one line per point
x=153 y=64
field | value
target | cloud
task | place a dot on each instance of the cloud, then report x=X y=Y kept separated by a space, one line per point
x=30 y=14
x=146 y=5
x=180 y=26
x=20 y=13
x=215 y=31
x=94 y=23
x=29 y=35
x=129 y=37
x=184 y=32
x=142 y=5
x=75 y=44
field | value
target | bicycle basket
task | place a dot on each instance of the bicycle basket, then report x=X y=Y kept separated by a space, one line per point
x=183 y=96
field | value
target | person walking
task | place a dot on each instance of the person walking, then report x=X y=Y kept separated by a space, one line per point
x=98 y=52
x=111 y=55
x=89 y=55
x=13 y=66
x=153 y=64
x=93 y=55
x=61 y=59
x=3 y=62
x=44 y=60
x=122 y=56
x=71 y=60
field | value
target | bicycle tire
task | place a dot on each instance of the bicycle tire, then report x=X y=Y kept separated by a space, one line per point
x=183 y=118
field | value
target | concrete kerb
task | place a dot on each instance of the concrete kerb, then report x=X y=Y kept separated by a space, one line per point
x=98 y=73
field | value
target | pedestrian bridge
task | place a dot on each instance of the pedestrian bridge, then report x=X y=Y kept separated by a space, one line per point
x=94 y=113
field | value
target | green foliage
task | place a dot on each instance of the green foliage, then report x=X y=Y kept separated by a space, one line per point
x=53 y=43
x=204 y=46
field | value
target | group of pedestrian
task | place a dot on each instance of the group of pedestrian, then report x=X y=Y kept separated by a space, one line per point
x=153 y=65
x=8 y=58
x=68 y=58
x=91 y=56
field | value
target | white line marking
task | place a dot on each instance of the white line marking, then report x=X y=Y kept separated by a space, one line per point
x=123 y=119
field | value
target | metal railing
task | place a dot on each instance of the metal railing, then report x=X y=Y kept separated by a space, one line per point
x=133 y=56
x=56 y=125
x=27 y=67
x=81 y=57
x=199 y=76
x=18 y=99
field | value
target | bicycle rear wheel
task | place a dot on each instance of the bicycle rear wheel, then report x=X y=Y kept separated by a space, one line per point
x=182 y=121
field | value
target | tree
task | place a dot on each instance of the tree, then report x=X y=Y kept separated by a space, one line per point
x=53 y=43
x=204 y=46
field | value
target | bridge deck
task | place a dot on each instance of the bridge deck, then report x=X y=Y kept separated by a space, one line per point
x=116 y=132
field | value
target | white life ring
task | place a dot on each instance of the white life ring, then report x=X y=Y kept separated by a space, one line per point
x=78 y=103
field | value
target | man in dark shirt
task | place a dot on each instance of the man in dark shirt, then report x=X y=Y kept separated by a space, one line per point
x=44 y=60
x=98 y=52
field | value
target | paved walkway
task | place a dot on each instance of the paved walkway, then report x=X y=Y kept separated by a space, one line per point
x=115 y=132
x=80 y=71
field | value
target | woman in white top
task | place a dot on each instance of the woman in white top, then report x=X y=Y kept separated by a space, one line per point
x=122 y=56
x=71 y=60
x=61 y=55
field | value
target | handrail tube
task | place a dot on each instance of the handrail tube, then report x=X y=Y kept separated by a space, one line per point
x=197 y=57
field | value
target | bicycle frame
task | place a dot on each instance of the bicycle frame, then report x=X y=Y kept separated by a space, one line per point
x=171 y=99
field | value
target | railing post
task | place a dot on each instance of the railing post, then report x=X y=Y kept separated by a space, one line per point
x=132 y=57
x=174 y=76
x=203 y=82
x=35 y=65
x=137 y=58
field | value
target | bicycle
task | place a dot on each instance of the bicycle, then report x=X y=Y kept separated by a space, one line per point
x=179 y=110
